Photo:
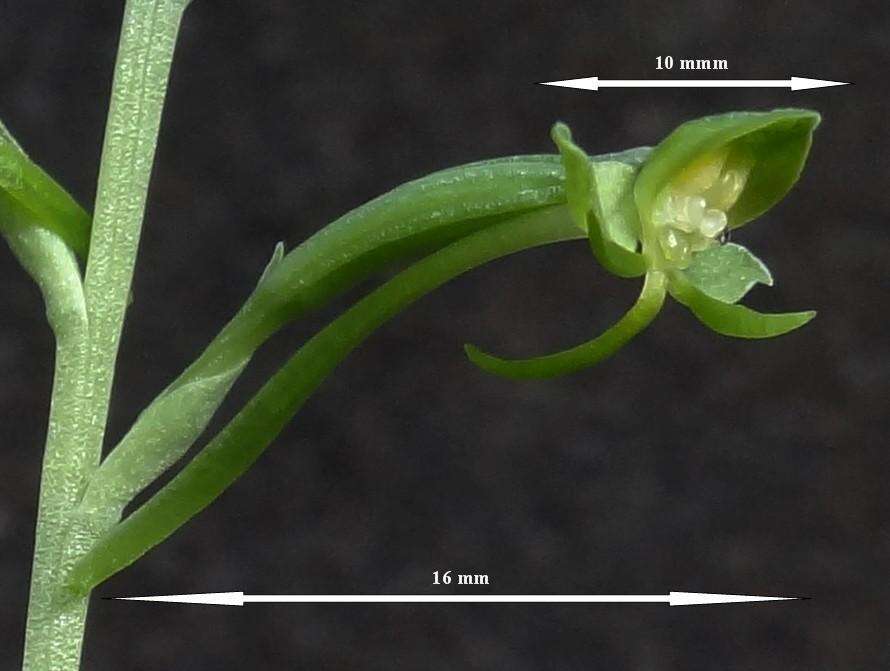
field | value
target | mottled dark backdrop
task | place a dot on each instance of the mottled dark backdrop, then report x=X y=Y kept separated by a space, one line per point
x=688 y=462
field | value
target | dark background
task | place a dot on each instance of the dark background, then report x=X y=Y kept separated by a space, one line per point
x=688 y=462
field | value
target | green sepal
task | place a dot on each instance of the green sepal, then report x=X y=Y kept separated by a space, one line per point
x=613 y=203
x=615 y=230
x=579 y=174
x=734 y=320
x=587 y=354
x=634 y=157
x=614 y=258
x=727 y=272
x=775 y=143
x=35 y=191
x=599 y=195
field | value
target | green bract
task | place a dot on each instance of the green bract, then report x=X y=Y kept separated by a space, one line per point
x=665 y=214
x=47 y=204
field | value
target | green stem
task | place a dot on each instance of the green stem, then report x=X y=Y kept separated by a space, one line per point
x=55 y=621
x=89 y=331
x=148 y=38
x=237 y=446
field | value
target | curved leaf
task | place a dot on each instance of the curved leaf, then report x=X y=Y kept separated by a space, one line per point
x=242 y=441
x=51 y=206
x=417 y=217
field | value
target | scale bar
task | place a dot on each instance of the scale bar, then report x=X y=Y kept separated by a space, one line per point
x=240 y=598
x=595 y=83
x=455 y=598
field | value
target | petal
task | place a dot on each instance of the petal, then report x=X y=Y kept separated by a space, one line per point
x=734 y=320
x=727 y=272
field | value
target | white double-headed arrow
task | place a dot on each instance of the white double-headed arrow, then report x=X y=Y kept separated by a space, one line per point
x=595 y=83
x=240 y=598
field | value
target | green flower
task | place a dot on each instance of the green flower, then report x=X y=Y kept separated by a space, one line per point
x=664 y=214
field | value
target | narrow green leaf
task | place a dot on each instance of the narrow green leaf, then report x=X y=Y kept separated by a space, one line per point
x=51 y=206
x=238 y=445
x=727 y=272
x=418 y=217
x=51 y=264
x=587 y=354
x=734 y=320
x=413 y=219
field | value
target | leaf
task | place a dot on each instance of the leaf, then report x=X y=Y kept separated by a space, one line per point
x=51 y=206
x=734 y=320
x=727 y=272
x=600 y=198
x=238 y=445
x=51 y=264
x=775 y=143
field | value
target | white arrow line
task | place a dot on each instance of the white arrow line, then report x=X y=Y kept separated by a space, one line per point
x=240 y=598
x=595 y=83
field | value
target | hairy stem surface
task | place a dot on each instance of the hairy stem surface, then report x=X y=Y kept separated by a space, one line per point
x=89 y=331
x=55 y=622
x=148 y=39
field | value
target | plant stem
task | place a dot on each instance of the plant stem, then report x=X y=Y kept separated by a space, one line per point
x=148 y=38
x=87 y=345
x=53 y=634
